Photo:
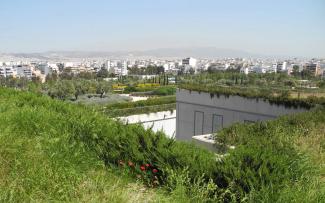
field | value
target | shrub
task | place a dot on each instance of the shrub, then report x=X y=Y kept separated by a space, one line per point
x=164 y=91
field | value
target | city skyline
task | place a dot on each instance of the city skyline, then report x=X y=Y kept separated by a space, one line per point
x=288 y=28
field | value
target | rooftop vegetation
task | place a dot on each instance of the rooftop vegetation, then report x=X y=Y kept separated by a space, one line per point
x=276 y=88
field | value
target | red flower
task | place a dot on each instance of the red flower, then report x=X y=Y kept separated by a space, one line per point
x=147 y=165
x=131 y=164
x=154 y=170
x=142 y=168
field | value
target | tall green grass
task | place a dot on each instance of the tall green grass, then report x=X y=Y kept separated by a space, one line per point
x=56 y=151
x=41 y=161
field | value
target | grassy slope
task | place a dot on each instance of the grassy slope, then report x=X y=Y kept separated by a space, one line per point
x=293 y=147
x=51 y=150
x=40 y=161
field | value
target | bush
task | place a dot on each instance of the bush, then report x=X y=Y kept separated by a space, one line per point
x=164 y=91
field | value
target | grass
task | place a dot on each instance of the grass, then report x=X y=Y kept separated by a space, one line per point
x=41 y=163
x=56 y=151
x=305 y=95
x=297 y=146
x=97 y=100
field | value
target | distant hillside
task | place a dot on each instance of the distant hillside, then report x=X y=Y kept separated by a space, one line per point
x=198 y=52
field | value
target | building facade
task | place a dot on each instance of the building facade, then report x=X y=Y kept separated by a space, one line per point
x=202 y=113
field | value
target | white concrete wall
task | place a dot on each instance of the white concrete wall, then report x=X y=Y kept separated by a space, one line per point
x=232 y=109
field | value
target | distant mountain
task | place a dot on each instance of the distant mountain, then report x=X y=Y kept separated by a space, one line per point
x=197 y=52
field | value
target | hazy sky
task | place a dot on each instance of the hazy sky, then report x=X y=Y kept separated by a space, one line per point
x=287 y=27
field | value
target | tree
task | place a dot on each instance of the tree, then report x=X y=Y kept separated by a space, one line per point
x=191 y=71
x=295 y=70
x=103 y=73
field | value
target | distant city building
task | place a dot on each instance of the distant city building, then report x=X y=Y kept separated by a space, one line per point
x=107 y=65
x=191 y=62
x=24 y=71
x=44 y=68
x=120 y=68
x=7 y=71
x=244 y=70
x=313 y=68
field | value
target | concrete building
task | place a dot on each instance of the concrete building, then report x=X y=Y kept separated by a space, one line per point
x=107 y=65
x=191 y=62
x=24 y=71
x=120 y=68
x=313 y=68
x=203 y=113
x=44 y=68
x=7 y=71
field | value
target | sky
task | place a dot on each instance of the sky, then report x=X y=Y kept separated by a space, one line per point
x=277 y=27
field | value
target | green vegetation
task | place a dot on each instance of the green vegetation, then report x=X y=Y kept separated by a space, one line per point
x=150 y=105
x=43 y=158
x=98 y=100
x=164 y=91
x=270 y=80
x=276 y=88
x=280 y=160
x=150 y=70
x=274 y=96
x=56 y=151
x=150 y=89
x=59 y=151
x=140 y=110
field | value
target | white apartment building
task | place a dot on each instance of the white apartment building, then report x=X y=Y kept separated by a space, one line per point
x=7 y=71
x=121 y=68
x=107 y=65
x=191 y=62
x=24 y=71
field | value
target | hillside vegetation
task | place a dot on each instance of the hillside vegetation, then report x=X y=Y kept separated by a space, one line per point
x=56 y=151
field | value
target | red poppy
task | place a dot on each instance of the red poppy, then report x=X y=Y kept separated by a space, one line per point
x=147 y=165
x=142 y=168
x=154 y=170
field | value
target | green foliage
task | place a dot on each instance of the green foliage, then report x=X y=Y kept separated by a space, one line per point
x=149 y=102
x=41 y=162
x=274 y=96
x=67 y=89
x=150 y=70
x=164 y=91
x=52 y=149
x=150 y=105
x=268 y=159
